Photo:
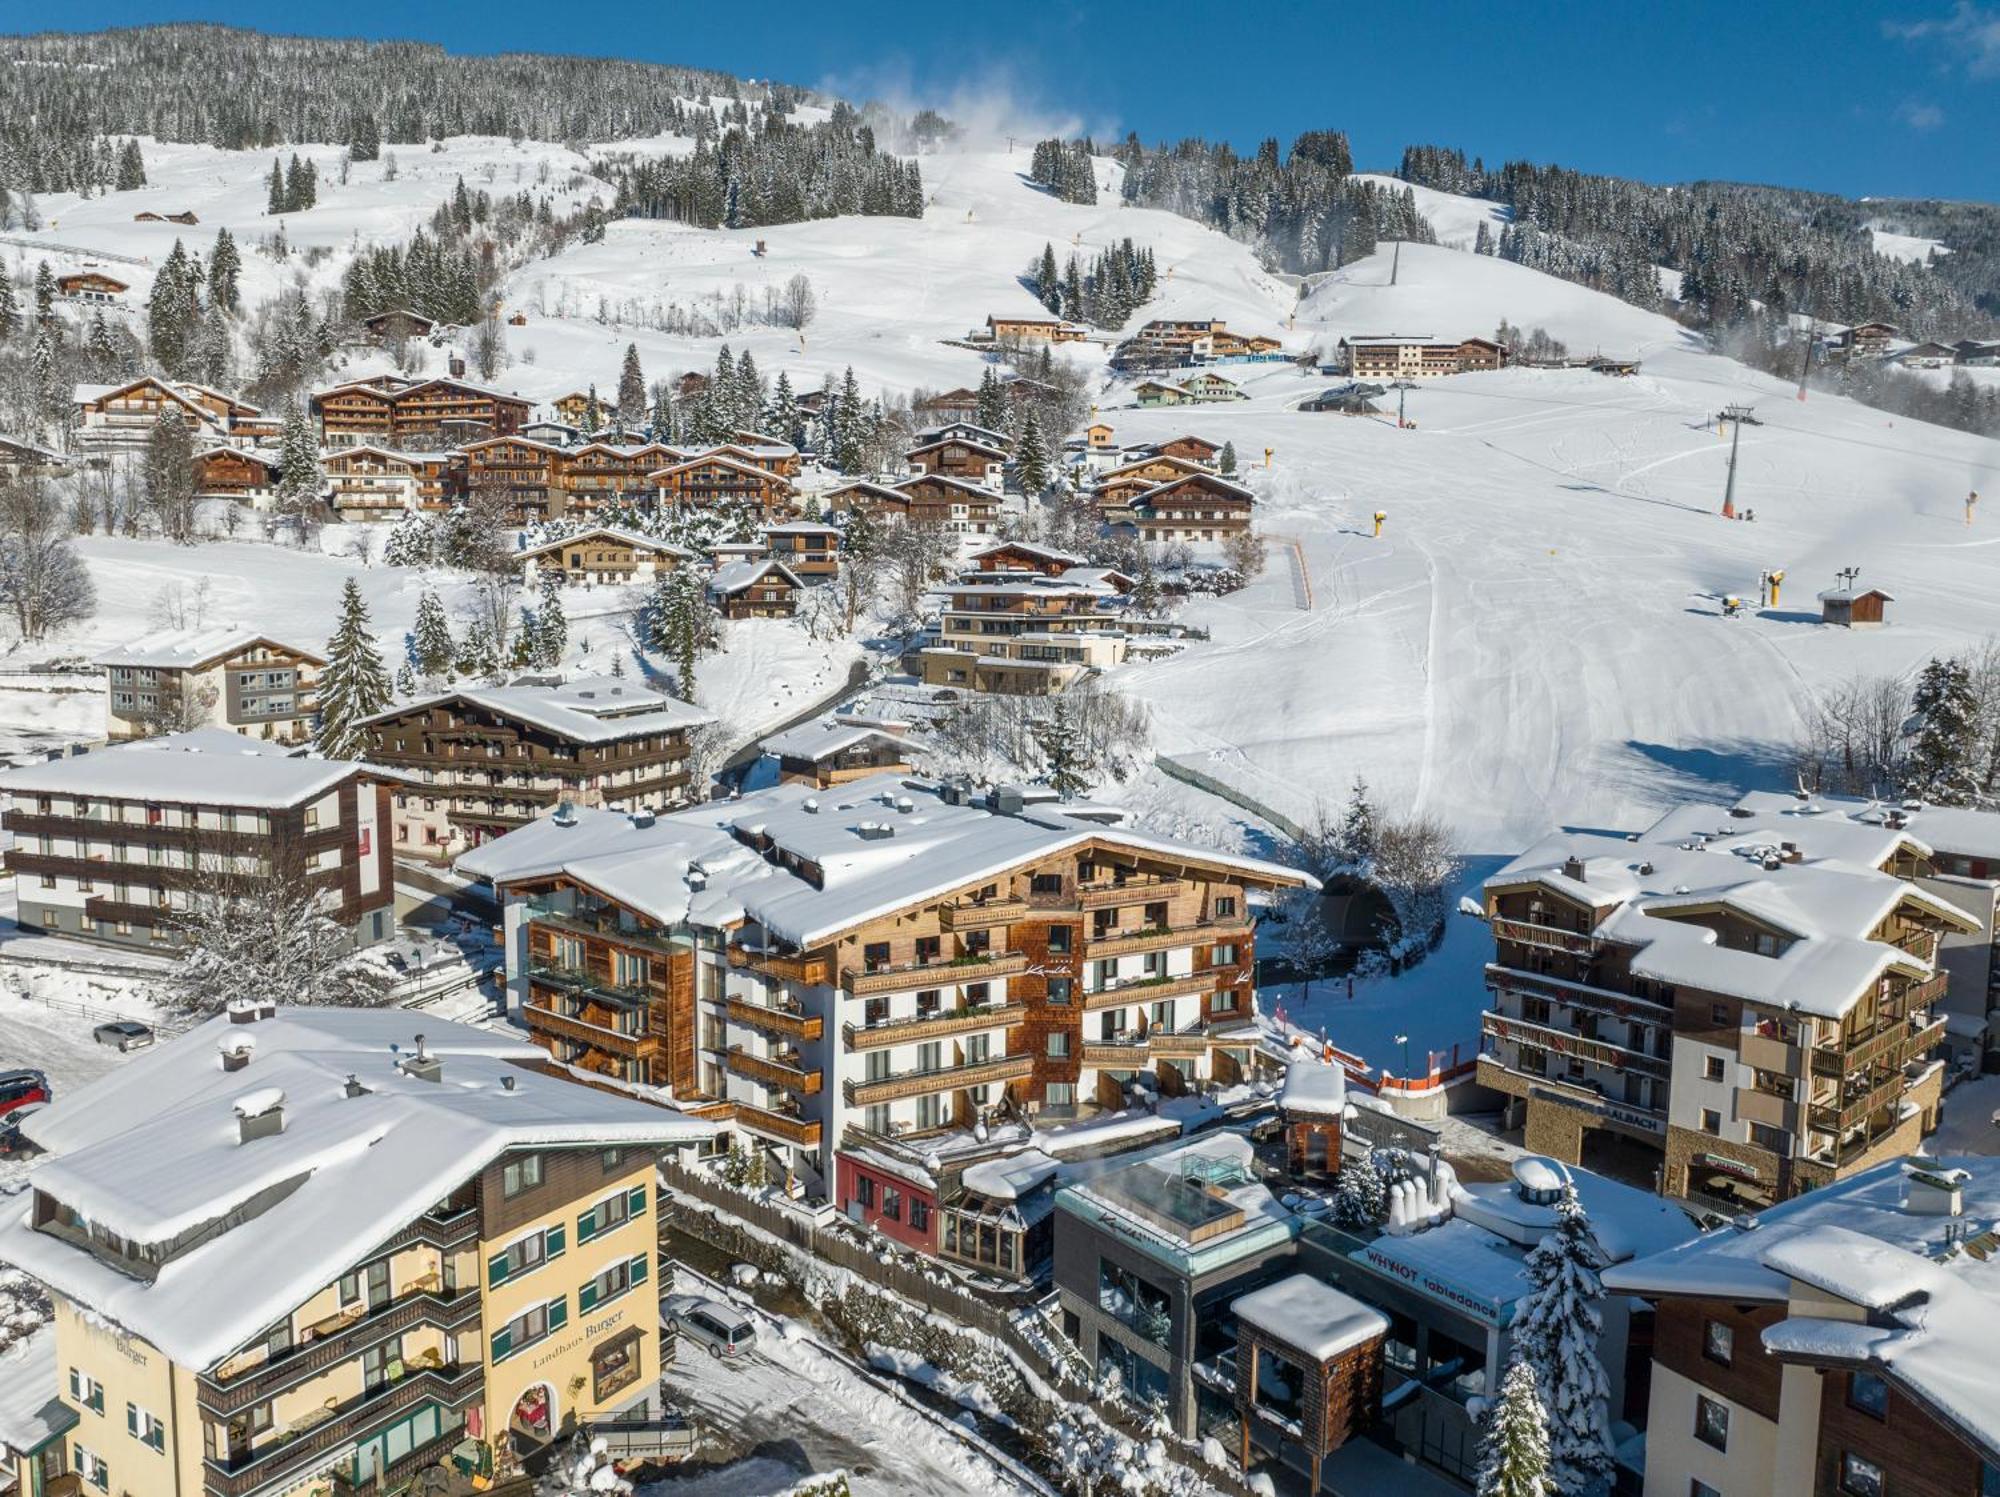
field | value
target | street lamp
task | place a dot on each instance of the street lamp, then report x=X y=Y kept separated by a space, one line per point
x=1404 y=1041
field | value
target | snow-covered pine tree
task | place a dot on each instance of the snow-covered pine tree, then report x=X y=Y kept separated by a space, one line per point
x=275 y=200
x=1065 y=751
x=169 y=323
x=781 y=418
x=1359 y=1197
x=680 y=623
x=298 y=492
x=45 y=294
x=1514 y=1448
x=1225 y=460
x=353 y=684
x=1557 y=1326
x=631 y=388
x=477 y=658
x=1939 y=767
x=10 y=308
x=131 y=168
x=225 y=269
x=1031 y=457
x=992 y=404
x=170 y=483
x=432 y=650
x=1355 y=841
x=551 y=624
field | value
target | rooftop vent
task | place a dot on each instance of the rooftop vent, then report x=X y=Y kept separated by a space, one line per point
x=564 y=814
x=697 y=878
x=250 y=1010
x=955 y=793
x=354 y=1088
x=1646 y=870
x=642 y=818
x=237 y=1050
x=1930 y=1191
x=1773 y=864
x=1573 y=868
x=423 y=1066
x=1005 y=800
x=1790 y=850
x=904 y=805
x=588 y=696
x=1896 y=821
x=874 y=831
x=506 y=1083
x=810 y=805
x=260 y=1114
x=1741 y=813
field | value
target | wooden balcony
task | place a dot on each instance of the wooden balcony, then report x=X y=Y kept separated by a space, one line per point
x=794 y=1024
x=1923 y=1041
x=1563 y=1042
x=606 y=926
x=959 y=969
x=1153 y=990
x=452 y=1386
x=1179 y=1046
x=1132 y=943
x=810 y=971
x=974 y=914
x=766 y=1072
x=1883 y=1044
x=444 y=1230
x=1769 y=1108
x=1549 y=937
x=1118 y=1054
x=458 y=1313
x=932 y=1026
x=943 y=1079
x=1836 y=1116
x=1577 y=995
x=1132 y=891
x=545 y=1020
x=584 y=984
x=794 y=1130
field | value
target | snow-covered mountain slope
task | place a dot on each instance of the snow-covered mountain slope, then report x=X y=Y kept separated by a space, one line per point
x=1536 y=638
x=1455 y=218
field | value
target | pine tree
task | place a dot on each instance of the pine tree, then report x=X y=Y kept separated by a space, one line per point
x=298 y=464
x=432 y=650
x=1031 y=458
x=1359 y=1198
x=170 y=325
x=1064 y=750
x=1354 y=843
x=353 y=684
x=1048 y=285
x=1939 y=768
x=551 y=624
x=477 y=658
x=225 y=269
x=364 y=137
x=992 y=406
x=276 y=199
x=170 y=476
x=1557 y=1326
x=1514 y=1449
x=10 y=308
x=680 y=623
x=1226 y=460
x=45 y=294
x=631 y=388
x=131 y=168
x=782 y=419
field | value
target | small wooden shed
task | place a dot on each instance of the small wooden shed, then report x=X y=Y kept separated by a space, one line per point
x=1854 y=609
x=1308 y=1370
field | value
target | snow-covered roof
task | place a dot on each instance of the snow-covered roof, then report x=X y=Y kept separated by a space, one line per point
x=1029 y=548
x=1929 y=829
x=589 y=709
x=1625 y=1222
x=1310 y=1315
x=197 y=648
x=638 y=540
x=1849 y=594
x=970 y=490
x=820 y=740
x=207 y=767
x=802 y=527
x=880 y=844
x=30 y=1415
x=1198 y=1207
x=1313 y=1089
x=979 y=447
x=155 y=1150
x=1011 y=1176
x=738 y=575
x=1825 y=894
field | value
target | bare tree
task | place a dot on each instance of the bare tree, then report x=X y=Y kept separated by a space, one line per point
x=916 y=554
x=43 y=582
x=1851 y=736
x=180 y=708
x=259 y=921
x=478 y=540
x=1244 y=551
x=799 y=303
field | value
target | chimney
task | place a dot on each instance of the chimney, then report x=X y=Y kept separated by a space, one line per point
x=642 y=818
x=1930 y=1191
x=506 y=1083
x=1005 y=800
x=1573 y=868
x=423 y=1066
x=250 y=1010
x=1790 y=850
x=564 y=814
x=354 y=1088
x=260 y=1114
x=237 y=1050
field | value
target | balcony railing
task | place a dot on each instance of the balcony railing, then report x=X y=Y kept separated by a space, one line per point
x=793 y=1129
x=1155 y=989
x=595 y=1036
x=1834 y=1117
x=342 y=1426
x=970 y=967
x=1130 y=1050
x=812 y=971
x=792 y=1023
x=975 y=914
x=941 y=1079
x=906 y=1031
x=1133 y=891
x=770 y=1072
x=1131 y=943
x=1884 y=1044
x=587 y=985
x=1577 y=995
x=1563 y=1042
x=443 y=1230
x=1551 y=937
x=457 y=1313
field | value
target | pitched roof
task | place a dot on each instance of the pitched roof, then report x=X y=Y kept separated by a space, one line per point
x=208 y=766
x=589 y=709
x=738 y=575
x=196 y=648
x=637 y=539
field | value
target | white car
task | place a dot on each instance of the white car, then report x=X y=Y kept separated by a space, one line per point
x=724 y=1330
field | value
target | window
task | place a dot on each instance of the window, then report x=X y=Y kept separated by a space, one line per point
x=1134 y=1301
x=1718 y=1342
x=520 y=1174
x=1046 y=883
x=1059 y=1043
x=530 y=1326
x=1711 y=1120
x=530 y=1252
x=1718 y=1013
x=611 y=1212
x=93 y=1469
x=613 y=1282
x=892 y=1203
x=1059 y=940
x=1059 y=1094
x=144 y=1428
x=1059 y=991
x=609 y=1159
x=1858 y=1477
x=1711 y=1422
x=86 y=1391
x=1869 y=1394
x=1223 y=1002
x=1699 y=1488
x=864 y=1192
x=920 y=1215
x=1711 y=1068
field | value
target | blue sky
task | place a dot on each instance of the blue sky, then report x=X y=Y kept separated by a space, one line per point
x=1894 y=99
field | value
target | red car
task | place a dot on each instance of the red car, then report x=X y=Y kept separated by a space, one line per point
x=20 y=1088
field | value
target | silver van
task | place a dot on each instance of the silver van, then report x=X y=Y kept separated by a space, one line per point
x=721 y=1329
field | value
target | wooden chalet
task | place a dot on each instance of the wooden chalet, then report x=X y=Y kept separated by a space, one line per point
x=952 y=405
x=713 y=479
x=1034 y=330
x=125 y=414
x=234 y=473
x=877 y=499
x=828 y=753
x=966 y=508
x=392 y=412
x=527 y=474
x=397 y=325
x=574 y=408
x=555 y=433
x=1189 y=448
x=603 y=556
x=1209 y=387
x=970 y=431
x=1120 y=486
x=1025 y=556
x=1152 y=393
x=18 y=457
x=91 y=286
x=811 y=548
x=1867 y=340
x=150 y=217
x=1197 y=507
x=379 y=483
x=768 y=453
x=1098 y=437
x=600 y=473
x=766 y=589
x=962 y=458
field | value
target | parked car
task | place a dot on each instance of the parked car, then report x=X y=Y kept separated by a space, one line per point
x=126 y=1034
x=23 y=1087
x=719 y=1328
x=12 y=1141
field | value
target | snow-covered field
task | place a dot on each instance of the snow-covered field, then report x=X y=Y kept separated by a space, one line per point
x=1906 y=246
x=1535 y=640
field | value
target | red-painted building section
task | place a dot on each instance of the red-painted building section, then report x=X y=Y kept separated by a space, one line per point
x=904 y=1210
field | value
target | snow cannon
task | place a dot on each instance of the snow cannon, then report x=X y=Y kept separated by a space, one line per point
x=1380 y=516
